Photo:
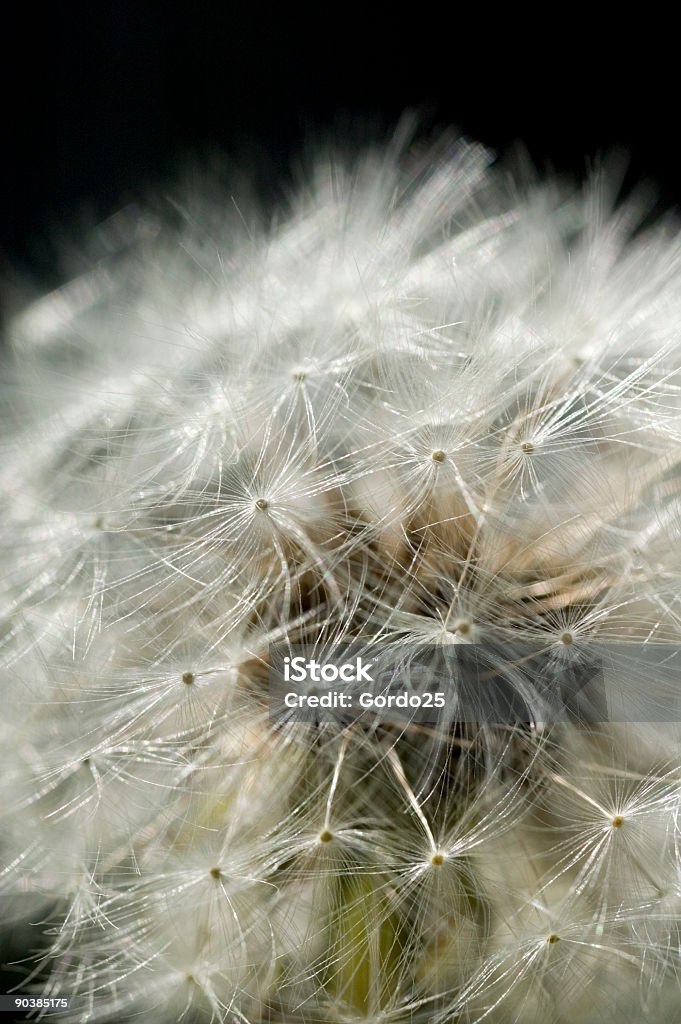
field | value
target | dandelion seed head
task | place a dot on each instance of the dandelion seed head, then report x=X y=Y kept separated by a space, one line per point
x=425 y=407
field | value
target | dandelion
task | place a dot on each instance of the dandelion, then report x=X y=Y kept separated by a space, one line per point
x=427 y=409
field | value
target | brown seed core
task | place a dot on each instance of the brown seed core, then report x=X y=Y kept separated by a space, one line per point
x=566 y=638
x=617 y=821
x=188 y=678
x=552 y=939
x=261 y=504
x=437 y=859
x=527 y=447
x=438 y=455
x=325 y=836
x=215 y=873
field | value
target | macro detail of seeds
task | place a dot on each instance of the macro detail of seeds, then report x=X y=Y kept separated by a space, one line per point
x=425 y=405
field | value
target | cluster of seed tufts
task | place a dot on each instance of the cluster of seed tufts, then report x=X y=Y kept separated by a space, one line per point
x=427 y=407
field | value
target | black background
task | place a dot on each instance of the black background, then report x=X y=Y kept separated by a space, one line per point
x=103 y=100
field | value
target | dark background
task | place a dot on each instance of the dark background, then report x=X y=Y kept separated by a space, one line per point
x=103 y=100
